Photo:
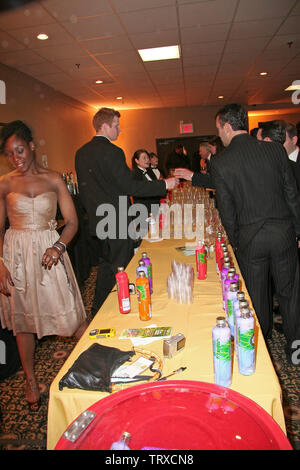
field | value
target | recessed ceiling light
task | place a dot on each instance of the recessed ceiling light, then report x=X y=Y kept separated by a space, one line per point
x=160 y=53
x=119 y=97
x=263 y=73
x=220 y=97
x=42 y=36
x=99 y=81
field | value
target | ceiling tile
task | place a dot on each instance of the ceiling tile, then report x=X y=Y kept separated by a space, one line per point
x=156 y=38
x=202 y=49
x=262 y=9
x=93 y=27
x=205 y=33
x=133 y=5
x=147 y=21
x=64 y=51
x=252 y=29
x=104 y=45
x=290 y=26
x=73 y=9
x=203 y=13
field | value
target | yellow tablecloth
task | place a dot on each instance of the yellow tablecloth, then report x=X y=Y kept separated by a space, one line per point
x=195 y=321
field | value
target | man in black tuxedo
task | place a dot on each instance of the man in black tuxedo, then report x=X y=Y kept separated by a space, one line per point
x=291 y=146
x=105 y=184
x=260 y=211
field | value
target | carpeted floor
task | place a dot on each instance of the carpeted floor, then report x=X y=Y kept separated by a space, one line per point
x=22 y=430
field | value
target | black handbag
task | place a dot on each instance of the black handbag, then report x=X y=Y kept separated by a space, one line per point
x=93 y=369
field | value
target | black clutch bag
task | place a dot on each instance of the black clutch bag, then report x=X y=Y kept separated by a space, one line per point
x=93 y=369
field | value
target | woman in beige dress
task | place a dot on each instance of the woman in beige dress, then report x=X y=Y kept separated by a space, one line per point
x=39 y=294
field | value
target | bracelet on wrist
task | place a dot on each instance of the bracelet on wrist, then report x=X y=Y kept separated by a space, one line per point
x=57 y=248
x=62 y=244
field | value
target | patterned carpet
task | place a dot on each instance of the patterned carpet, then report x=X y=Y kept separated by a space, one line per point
x=22 y=430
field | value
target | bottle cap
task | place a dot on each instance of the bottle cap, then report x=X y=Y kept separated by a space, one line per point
x=120 y=269
x=240 y=295
x=227 y=264
x=243 y=304
x=230 y=274
x=141 y=263
x=245 y=313
x=144 y=255
x=232 y=270
x=220 y=321
x=141 y=274
x=234 y=287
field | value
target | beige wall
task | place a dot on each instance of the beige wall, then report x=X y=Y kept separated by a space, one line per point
x=140 y=128
x=60 y=124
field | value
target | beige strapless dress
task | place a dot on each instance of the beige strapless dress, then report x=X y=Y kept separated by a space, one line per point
x=42 y=301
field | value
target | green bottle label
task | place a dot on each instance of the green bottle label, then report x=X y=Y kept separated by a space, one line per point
x=229 y=308
x=222 y=350
x=246 y=339
x=201 y=258
x=141 y=293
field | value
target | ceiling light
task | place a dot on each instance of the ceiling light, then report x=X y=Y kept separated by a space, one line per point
x=294 y=86
x=42 y=36
x=220 y=97
x=119 y=97
x=99 y=81
x=263 y=73
x=160 y=53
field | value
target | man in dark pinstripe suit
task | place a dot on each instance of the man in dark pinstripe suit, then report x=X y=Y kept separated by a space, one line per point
x=260 y=209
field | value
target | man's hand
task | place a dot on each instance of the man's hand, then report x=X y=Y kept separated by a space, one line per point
x=184 y=173
x=171 y=183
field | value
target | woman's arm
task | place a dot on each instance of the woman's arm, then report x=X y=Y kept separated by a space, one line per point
x=68 y=211
x=5 y=278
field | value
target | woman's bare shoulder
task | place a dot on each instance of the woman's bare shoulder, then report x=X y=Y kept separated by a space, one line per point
x=5 y=181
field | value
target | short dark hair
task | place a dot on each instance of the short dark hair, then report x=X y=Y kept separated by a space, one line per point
x=291 y=130
x=254 y=132
x=18 y=128
x=235 y=115
x=275 y=130
x=137 y=155
x=104 y=115
x=217 y=142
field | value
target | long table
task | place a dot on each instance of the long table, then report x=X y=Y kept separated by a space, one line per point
x=194 y=320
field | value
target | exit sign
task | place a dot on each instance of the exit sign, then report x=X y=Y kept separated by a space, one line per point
x=186 y=127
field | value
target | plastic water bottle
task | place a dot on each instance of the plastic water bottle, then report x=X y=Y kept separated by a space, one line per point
x=143 y=296
x=242 y=304
x=123 y=290
x=245 y=342
x=226 y=267
x=221 y=339
x=219 y=239
x=220 y=256
x=122 y=443
x=201 y=260
x=231 y=298
x=240 y=297
x=229 y=279
x=141 y=267
x=149 y=268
